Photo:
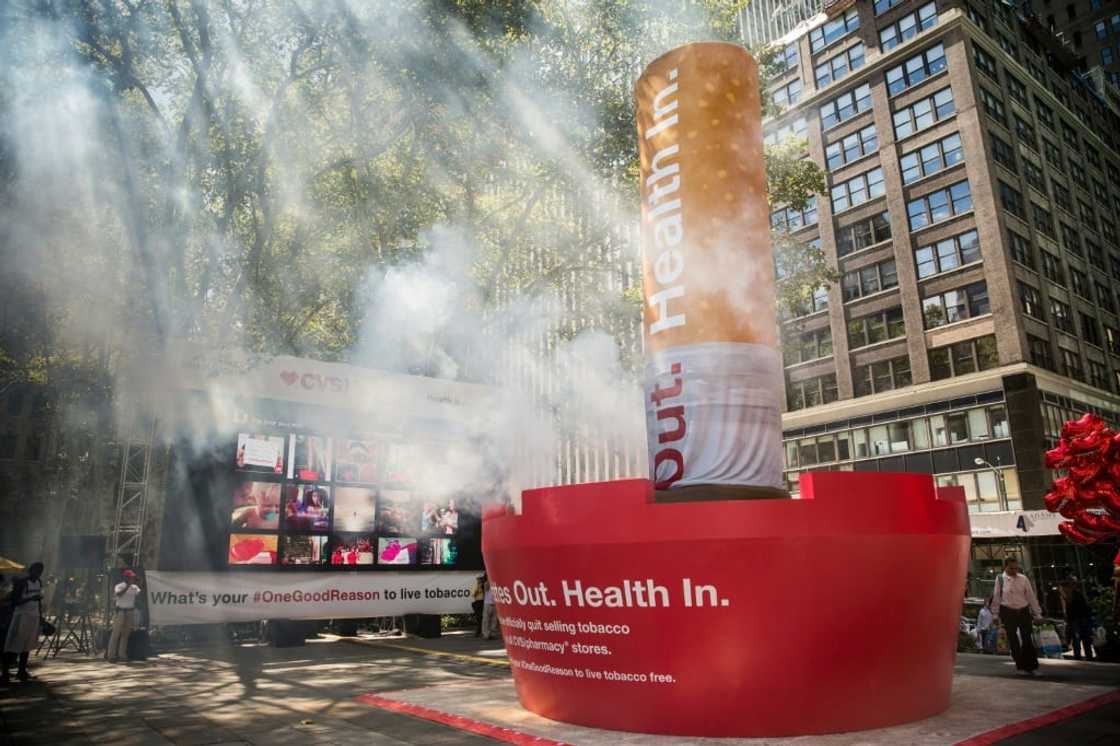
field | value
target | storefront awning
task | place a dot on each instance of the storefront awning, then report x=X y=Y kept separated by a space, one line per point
x=1015 y=524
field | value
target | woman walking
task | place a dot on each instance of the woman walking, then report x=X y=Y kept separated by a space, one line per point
x=27 y=614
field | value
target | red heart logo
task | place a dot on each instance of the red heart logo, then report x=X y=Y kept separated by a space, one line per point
x=289 y=377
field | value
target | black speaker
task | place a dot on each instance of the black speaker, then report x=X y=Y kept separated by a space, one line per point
x=423 y=625
x=82 y=552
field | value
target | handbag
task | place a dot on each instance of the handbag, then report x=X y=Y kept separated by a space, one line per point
x=47 y=629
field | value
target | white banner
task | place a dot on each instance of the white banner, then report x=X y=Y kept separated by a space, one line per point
x=1015 y=523
x=209 y=597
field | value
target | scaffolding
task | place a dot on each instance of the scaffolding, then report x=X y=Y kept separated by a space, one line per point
x=126 y=540
x=763 y=21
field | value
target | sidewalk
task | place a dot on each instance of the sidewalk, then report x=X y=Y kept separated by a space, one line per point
x=437 y=691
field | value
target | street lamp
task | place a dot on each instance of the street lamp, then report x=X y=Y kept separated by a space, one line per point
x=1000 y=490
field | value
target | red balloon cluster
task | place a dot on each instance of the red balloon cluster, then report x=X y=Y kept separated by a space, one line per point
x=1089 y=454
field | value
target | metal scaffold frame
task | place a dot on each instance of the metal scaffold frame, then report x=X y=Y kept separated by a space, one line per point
x=127 y=539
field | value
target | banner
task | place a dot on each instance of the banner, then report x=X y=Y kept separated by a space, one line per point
x=1015 y=523
x=212 y=597
x=713 y=370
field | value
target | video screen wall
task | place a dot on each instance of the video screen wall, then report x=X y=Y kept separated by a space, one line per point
x=286 y=495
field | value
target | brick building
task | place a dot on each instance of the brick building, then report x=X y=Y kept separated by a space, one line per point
x=972 y=202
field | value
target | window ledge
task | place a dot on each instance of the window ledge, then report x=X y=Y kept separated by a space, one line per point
x=871 y=296
x=927 y=177
x=870 y=201
x=943 y=221
x=947 y=272
x=962 y=322
x=927 y=128
x=865 y=250
x=806 y=363
x=877 y=345
x=921 y=83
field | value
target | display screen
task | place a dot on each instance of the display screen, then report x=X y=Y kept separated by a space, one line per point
x=296 y=486
x=252 y=549
x=307 y=507
x=352 y=550
x=259 y=453
x=393 y=550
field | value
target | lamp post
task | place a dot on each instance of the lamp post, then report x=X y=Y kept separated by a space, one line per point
x=1001 y=491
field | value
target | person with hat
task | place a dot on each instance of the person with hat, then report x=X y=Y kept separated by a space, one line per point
x=124 y=616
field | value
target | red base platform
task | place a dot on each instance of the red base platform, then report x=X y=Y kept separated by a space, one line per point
x=836 y=612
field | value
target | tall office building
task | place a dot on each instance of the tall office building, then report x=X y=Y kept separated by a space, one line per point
x=973 y=193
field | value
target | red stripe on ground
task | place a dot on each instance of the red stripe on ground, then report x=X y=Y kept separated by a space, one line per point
x=498 y=733
x=1041 y=721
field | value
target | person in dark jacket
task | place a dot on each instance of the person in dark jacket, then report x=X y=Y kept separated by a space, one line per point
x=1079 y=618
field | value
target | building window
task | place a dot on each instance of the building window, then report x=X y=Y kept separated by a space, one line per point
x=1079 y=282
x=1031 y=301
x=939 y=205
x=928 y=160
x=1101 y=29
x=993 y=105
x=865 y=281
x=788 y=219
x=1105 y=298
x=1053 y=155
x=908 y=26
x=1096 y=253
x=1106 y=56
x=1045 y=114
x=1098 y=375
x=1101 y=193
x=1093 y=155
x=923 y=113
x=1043 y=220
x=1002 y=153
x=1052 y=268
x=1069 y=135
x=882 y=376
x=1070 y=237
x=1087 y=213
x=962 y=358
x=839 y=66
x=811 y=392
x=878 y=327
x=1017 y=90
x=1071 y=365
x=1040 y=351
x=857 y=190
x=855 y=145
x=985 y=63
x=1026 y=133
x=1091 y=330
x=833 y=30
x=956 y=305
x=1011 y=200
x=1112 y=339
x=1062 y=196
x=791 y=130
x=1063 y=316
x=882 y=6
x=916 y=69
x=846 y=105
x=947 y=254
x=1078 y=174
x=1020 y=249
x=788 y=94
x=788 y=56
x=808 y=346
x=864 y=233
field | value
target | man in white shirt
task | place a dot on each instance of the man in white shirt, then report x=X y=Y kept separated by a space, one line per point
x=124 y=616
x=1015 y=606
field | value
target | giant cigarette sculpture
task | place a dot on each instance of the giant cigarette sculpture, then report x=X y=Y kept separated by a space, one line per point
x=713 y=370
x=601 y=588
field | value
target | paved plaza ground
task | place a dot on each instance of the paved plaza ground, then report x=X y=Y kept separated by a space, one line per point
x=412 y=691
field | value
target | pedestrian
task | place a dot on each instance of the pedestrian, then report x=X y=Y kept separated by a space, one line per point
x=477 y=603
x=1079 y=618
x=489 y=612
x=1015 y=606
x=985 y=629
x=124 y=616
x=27 y=615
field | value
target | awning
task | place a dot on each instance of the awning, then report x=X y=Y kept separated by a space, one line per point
x=1015 y=524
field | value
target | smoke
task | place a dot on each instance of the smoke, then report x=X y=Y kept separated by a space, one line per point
x=188 y=189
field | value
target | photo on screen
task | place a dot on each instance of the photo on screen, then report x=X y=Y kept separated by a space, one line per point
x=307 y=507
x=303 y=550
x=256 y=505
x=396 y=551
x=398 y=513
x=252 y=549
x=354 y=509
x=438 y=552
x=401 y=462
x=439 y=517
x=260 y=453
x=352 y=549
x=356 y=461
x=309 y=458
